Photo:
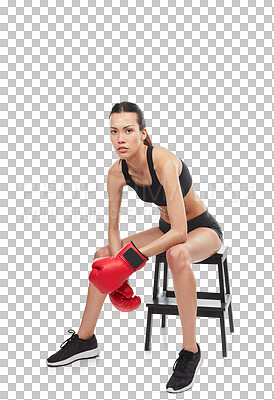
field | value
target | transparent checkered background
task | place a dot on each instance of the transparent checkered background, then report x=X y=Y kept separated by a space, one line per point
x=202 y=72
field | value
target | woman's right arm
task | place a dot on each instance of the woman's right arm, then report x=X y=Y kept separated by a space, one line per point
x=115 y=191
x=114 y=241
x=123 y=298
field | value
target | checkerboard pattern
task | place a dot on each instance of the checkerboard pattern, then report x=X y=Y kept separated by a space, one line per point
x=202 y=72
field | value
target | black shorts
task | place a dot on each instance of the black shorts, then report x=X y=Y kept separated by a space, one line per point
x=203 y=220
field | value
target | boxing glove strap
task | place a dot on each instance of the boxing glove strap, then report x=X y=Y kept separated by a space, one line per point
x=132 y=255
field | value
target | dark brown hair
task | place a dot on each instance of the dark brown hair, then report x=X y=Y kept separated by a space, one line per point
x=126 y=106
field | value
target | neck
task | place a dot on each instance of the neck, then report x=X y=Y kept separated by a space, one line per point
x=138 y=162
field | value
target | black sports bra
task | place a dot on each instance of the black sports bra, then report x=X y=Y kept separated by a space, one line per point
x=155 y=193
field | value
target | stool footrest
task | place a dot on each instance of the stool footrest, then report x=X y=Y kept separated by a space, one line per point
x=206 y=303
x=200 y=295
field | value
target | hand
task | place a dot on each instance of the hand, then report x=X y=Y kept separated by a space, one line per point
x=123 y=299
x=109 y=273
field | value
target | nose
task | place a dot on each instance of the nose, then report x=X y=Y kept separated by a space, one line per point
x=121 y=137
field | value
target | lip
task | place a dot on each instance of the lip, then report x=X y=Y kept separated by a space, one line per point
x=123 y=149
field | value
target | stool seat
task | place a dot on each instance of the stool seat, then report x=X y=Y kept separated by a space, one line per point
x=209 y=304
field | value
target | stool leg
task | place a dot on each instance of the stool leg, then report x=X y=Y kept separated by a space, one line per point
x=231 y=325
x=164 y=290
x=226 y=277
x=165 y=276
x=222 y=325
x=156 y=278
x=148 y=330
x=221 y=281
x=163 y=320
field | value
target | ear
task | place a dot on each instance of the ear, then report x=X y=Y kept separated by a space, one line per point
x=144 y=133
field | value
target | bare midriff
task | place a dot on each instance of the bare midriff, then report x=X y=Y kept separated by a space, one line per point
x=194 y=206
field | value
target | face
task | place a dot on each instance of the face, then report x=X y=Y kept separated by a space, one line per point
x=125 y=132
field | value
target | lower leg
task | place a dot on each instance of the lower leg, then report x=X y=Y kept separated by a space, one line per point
x=95 y=301
x=186 y=297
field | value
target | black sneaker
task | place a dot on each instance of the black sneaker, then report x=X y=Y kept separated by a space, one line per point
x=185 y=370
x=74 y=349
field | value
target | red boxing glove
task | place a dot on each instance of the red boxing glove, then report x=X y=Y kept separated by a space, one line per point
x=109 y=273
x=123 y=299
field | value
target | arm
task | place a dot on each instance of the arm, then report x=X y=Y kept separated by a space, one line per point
x=169 y=177
x=169 y=239
x=115 y=190
x=114 y=241
x=123 y=298
x=110 y=273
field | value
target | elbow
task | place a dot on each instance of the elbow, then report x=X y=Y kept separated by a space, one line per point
x=181 y=236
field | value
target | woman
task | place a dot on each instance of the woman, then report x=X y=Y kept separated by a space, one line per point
x=186 y=231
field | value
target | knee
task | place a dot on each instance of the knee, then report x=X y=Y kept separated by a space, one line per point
x=177 y=259
x=102 y=252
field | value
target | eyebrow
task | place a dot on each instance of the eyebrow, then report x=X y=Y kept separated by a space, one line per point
x=123 y=128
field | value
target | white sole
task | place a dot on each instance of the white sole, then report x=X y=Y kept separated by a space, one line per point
x=79 y=356
x=170 y=390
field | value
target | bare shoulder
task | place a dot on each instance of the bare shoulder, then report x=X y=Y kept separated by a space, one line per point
x=161 y=155
x=115 y=172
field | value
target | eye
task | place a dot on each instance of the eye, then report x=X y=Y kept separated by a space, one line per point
x=127 y=130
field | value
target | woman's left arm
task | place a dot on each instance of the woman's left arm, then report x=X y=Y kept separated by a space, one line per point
x=168 y=176
x=169 y=239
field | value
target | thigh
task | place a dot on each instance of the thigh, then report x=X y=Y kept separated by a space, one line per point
x=201 y=243
x=140 y=239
